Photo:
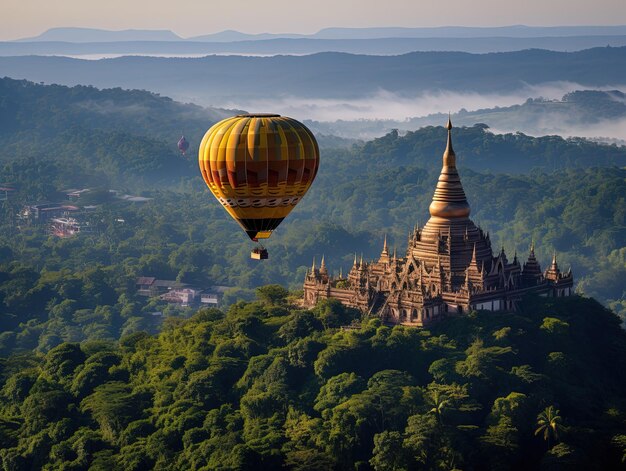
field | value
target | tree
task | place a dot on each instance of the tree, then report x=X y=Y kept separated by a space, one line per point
x=334 y=314
x=388 y=454
x=439 y=403
x=272 y=294
x=549 y=424
x=113 y=406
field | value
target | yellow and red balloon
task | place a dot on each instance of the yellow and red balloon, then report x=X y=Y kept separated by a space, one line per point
x=259 y=166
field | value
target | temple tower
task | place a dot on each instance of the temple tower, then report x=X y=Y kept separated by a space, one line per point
x=450 y=237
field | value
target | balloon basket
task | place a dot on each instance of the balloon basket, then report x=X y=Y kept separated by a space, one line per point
x=259 y=253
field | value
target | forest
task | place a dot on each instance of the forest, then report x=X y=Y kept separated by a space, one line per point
x=91 y=378
x=266 y=385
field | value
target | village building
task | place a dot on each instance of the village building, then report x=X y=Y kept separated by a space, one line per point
x=179 y=293
x=43 y=212
x=449 y=268
x=67 y=227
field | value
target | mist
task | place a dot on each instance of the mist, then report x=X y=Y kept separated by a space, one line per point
x=609 y=131
x=393 y=106
x=384 y=110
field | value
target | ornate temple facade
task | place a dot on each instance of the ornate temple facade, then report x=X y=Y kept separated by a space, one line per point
x=449 y=268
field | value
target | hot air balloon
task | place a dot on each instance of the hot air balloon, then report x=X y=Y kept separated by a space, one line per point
x=183 y=145
x=258 y=166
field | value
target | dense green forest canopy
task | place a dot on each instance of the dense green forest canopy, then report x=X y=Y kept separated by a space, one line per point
x=45 y=110
x=93 y=376
x=267 y=385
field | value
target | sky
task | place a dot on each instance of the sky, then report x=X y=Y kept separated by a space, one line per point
x=25 y=18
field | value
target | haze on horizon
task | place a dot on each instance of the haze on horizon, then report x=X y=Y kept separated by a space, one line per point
x=188 y=18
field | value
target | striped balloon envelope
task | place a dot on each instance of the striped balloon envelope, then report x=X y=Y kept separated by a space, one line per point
x=259 y=166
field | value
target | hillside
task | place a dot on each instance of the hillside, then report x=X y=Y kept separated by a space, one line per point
x=97 y=137
x=52 y=117
x=567 y=195
x=45 y=111
x=221 y=80
x=267 y=386
x=484 y=151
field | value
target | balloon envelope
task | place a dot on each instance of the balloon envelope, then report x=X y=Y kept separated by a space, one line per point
x=259 y=166
x=183 y=144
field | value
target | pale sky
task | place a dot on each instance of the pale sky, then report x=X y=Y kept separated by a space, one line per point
x=24 y=18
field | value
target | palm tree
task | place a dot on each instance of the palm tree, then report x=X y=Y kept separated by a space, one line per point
x=439 y=402
x=549 y=423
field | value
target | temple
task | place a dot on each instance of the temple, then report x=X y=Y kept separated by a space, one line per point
x=449 y=267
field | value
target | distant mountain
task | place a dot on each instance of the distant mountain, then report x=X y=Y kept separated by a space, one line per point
x=304 y=45
x=82 y=35
x=379 y=41
x=254 y=82
x=516 y=31
x=85 y=35
x=232 y=35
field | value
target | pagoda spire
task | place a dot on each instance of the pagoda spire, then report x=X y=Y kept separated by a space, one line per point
x=313 y=266
x=449 y=157
x=449 y=200
x=553 y=273
x=474 y=261
x=384 y=255
x=531 y=271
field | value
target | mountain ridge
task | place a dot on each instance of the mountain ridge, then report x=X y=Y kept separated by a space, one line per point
x=77 y=34
x=307 y=45
x=82 y=34
x=224 y=81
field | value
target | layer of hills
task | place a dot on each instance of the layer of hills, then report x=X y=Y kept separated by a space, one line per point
x=566 y=194
x=226 y=81
x=382 y=41
x=517 y=31
x=46 y=110
x=56 y=115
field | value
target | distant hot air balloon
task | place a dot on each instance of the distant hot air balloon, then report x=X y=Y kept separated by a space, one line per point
x=183 y=145
x=259 y=166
